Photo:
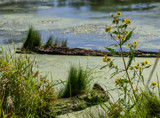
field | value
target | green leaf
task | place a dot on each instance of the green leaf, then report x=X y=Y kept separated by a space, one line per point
x=115 y=32
x=131 y=57
x=112 y=51
x=115 y=73
x=142 y=78
x=147 y=66
x=114 y=45
x=123 y=26
x=127 y=37
x=124 y=80
x=131 y=107
x=103 y=67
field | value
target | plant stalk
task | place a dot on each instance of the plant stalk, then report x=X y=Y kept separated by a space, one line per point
x=129 y=79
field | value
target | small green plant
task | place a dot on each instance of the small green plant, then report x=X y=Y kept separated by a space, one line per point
x=64 y=43
x=59 y=42
x=49 y=42
x=32 y=40
x=77 y=82
x=24 y=93
x=56 y=42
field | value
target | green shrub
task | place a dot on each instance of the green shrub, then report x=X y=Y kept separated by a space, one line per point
x=32 y=40
x=23 y=93
x=77 y=82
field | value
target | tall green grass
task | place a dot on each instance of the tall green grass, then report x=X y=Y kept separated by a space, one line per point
x=32 y=40
x=64 y=43
x=49 y=42
x=77 y=82
x=23 y=92
x=148 y=105
x=55 y=42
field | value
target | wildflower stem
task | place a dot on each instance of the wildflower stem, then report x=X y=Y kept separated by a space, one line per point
x=129 y=79
x=151 y=74
x=139 y=78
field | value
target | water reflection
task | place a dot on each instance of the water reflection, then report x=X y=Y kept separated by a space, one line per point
x=92 y=5
x=108 y=5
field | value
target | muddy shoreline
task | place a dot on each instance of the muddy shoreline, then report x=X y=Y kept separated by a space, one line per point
x=85 y=52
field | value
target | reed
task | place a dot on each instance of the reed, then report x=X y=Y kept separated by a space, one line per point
x=77 y=82
x=32 y=40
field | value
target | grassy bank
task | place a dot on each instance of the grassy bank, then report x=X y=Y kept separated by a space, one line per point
x=24 y=93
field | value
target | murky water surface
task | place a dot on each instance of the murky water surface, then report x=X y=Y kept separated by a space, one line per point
x=81 y=22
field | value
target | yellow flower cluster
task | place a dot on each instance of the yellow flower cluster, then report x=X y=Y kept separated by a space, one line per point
x=128 y=44
x=107 y=29
x=108 y=61
x=146 y=62
x=115 y=20
x=136 y=67
x=119 y=13
x=105 y=59
x=134 y=45
x=111 y=15
x=126 y=32
x=136 y=89
x=155 y=83
x=131 y=68
x=123 y=38
x=126 y=21
x=117 y=80
x=118 y=37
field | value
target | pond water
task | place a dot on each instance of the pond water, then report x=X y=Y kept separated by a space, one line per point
x=81 y=22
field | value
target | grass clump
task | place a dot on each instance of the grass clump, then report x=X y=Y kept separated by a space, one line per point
x=149 y=103
x=24 y=93
x=64 y=43
x=32 y=40
x=55 y=42
x=49 y=42
x=77 y=82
